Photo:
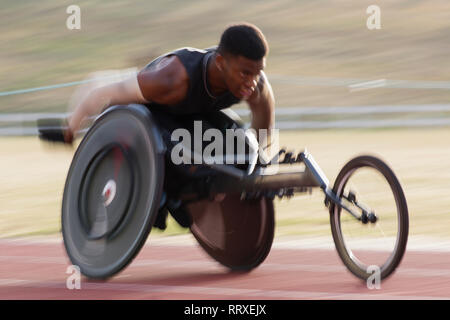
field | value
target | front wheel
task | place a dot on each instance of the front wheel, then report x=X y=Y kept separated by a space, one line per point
x=376 y=242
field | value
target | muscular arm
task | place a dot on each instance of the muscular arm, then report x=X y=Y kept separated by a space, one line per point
x=166 y=83
x=126 y=91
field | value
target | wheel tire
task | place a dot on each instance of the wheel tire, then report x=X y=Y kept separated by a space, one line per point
x=402 y=215
x=237 y=234
x=102 y=255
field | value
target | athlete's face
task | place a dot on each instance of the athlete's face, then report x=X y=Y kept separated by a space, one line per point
x=241 y=74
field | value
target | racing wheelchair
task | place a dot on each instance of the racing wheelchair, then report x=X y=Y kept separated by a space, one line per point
x=123 y=181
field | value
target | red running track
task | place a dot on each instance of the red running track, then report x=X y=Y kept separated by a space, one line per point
x=37 y=270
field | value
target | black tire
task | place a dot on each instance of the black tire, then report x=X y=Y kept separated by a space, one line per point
x=350 y=259
x=236 y=233
x=128 y=216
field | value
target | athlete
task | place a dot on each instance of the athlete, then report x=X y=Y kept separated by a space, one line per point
x=190 y=80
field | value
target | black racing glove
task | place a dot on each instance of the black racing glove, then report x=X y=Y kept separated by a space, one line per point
x=54 y=130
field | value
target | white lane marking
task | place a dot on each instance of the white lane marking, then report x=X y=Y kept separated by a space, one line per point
x=267 y=266
x=367 y=85
x=218 y=291
x=415 y=243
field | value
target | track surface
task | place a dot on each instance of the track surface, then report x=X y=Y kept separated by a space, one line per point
x=31 y=269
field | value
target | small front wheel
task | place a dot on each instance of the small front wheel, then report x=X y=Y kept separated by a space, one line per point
x=376 y=240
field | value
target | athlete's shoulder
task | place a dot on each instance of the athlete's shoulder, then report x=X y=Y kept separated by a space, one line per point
x=192 y=49
x=166 y=82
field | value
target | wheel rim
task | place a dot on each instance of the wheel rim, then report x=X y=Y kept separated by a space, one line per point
x=360 y=248
x=102 y=209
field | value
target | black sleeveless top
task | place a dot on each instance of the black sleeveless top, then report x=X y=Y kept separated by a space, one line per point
x=199 y=98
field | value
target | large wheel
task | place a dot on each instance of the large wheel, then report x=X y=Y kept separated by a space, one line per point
x=236 y=233
x=112 y=192
x=377 y=242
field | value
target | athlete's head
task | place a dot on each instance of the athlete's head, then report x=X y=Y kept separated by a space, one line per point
x=241 y=58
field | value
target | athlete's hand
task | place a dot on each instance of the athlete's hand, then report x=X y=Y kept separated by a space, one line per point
x=55 y=130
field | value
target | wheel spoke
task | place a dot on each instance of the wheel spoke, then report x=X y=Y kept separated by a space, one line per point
x=372 y=187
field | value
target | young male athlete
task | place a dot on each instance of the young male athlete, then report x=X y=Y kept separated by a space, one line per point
x=190 y=80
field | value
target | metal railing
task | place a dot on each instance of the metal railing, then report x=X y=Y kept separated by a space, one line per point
x=290 y=118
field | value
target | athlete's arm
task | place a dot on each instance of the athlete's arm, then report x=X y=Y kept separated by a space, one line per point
x=166 y=83
x=126 y=91
x=262 y=105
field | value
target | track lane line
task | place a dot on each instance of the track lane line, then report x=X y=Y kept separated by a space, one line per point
x=267 y=266
x=217 y=291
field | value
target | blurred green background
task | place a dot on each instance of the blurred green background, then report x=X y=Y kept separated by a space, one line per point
x=317 y=39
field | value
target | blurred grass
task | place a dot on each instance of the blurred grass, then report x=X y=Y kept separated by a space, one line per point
x=33 y=175
x=323 y=38
x=419 y=157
